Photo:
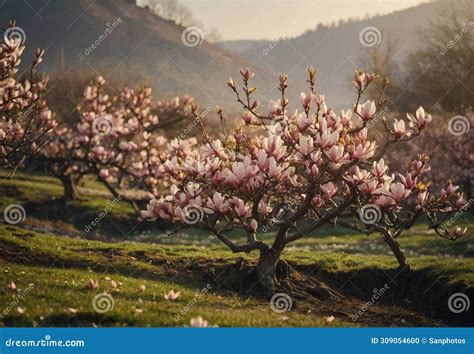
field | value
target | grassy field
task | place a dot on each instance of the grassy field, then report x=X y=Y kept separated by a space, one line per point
x=51 y=259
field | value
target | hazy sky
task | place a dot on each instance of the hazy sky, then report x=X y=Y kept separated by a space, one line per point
x=269 y=19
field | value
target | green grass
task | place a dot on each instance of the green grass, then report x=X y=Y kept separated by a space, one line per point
x=63 y=266
x=34 y=188
x=57 y=289
x=51 y=250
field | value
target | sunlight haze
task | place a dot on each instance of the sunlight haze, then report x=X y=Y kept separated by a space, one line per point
x=268 y=19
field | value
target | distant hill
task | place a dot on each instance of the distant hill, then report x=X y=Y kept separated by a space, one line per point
x=243 y=45
x=336 y=51
x=130 y=41
x=144 y=48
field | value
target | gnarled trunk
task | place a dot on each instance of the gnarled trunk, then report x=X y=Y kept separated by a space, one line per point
x=266 y=269
x=397 y=252
x=70 y=190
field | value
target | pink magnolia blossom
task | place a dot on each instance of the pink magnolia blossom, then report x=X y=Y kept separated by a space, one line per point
x=399 y=128
x=379 y=168
x=335 y=153
x=421 y=199
x=305 y=145
x=459 y=232
x=329 y=189
x=420 y=120
x=364 y=151
x=398 y=191
x=366 y=110
x=242 y=210
x=217 y=204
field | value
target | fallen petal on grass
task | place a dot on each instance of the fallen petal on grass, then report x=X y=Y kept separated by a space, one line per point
x=172 y=296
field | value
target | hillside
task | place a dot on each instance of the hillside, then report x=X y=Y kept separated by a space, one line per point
x=129 y=41
x=336 y=51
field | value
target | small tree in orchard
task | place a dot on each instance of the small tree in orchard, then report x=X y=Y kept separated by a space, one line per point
x=300 y=171
x=118 y=139
x=25 y=120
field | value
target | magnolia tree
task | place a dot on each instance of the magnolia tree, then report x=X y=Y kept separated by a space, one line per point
x=25 y=120
x=118 y=139
x=299 y=171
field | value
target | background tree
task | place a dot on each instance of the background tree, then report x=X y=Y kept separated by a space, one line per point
x=118 y=139
x=180 y=14
x=25 y=120
x=440 y=73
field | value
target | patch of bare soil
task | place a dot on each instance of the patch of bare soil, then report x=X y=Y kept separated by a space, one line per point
x=346 y=295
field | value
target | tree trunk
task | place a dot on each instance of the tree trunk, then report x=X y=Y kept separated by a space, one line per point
x=397 y=252
x=266 y=269
x=70 y=190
